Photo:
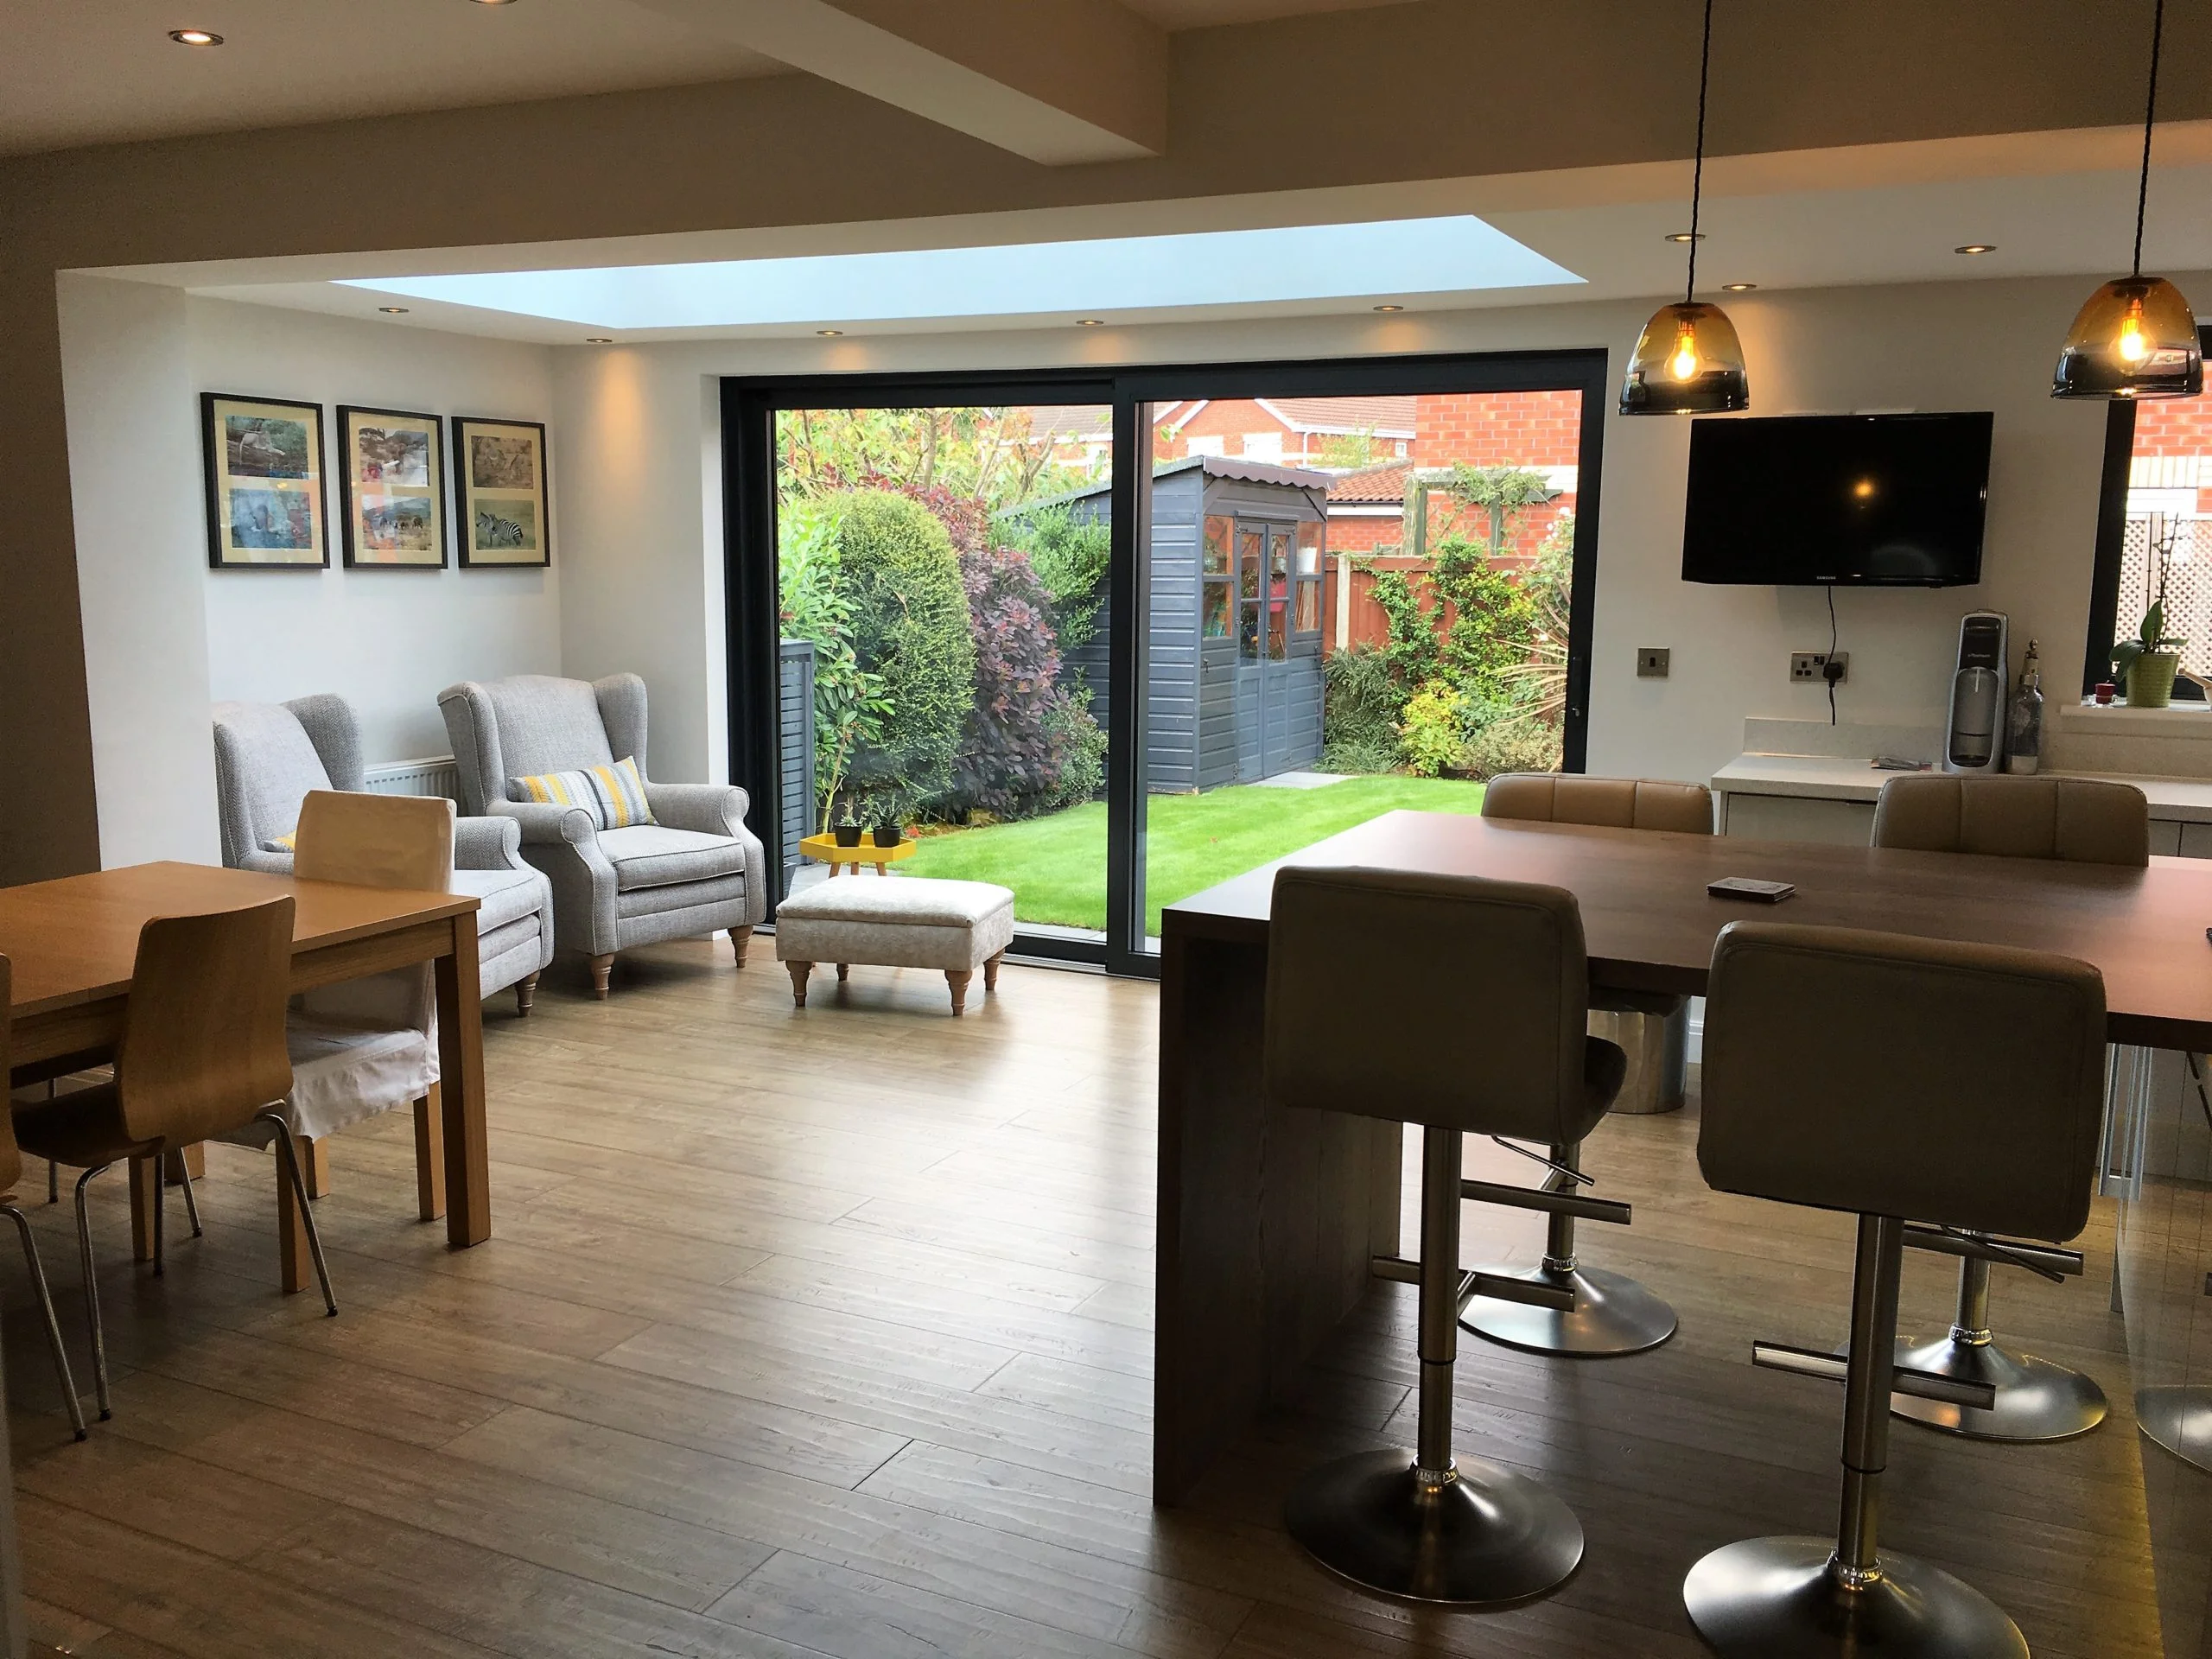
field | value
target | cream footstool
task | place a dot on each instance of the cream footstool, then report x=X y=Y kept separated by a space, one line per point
x=897 y=922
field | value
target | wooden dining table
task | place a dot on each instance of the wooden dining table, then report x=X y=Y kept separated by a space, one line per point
x=73 y=942
x=1269 y=1216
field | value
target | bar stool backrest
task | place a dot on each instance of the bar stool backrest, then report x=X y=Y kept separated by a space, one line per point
x=1449 y=1001
x=1958 y=1084
x=203 y=1039
x=1615 y=803
x=11 y=1155
x=2079 y=819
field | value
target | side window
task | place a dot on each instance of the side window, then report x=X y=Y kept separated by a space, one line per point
x=1308 y=577
x=1216 y=562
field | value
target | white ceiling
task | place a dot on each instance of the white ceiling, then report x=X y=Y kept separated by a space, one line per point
x=81 y=72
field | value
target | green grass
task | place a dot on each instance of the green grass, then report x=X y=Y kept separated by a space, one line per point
x=1056 y=865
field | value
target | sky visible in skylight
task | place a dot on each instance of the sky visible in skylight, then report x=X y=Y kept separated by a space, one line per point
x=1100 y=277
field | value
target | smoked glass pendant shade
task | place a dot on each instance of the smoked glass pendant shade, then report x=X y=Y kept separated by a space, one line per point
x=2135 y=338
x=1687 y=361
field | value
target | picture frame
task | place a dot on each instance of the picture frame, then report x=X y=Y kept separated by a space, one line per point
x=499 y=477
x=391 y=488
x=264 y=472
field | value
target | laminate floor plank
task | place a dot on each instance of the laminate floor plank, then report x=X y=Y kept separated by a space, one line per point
x=826 y=1335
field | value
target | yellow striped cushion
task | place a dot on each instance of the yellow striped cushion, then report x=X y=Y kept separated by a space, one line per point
x=614 y=796
x=282 y=844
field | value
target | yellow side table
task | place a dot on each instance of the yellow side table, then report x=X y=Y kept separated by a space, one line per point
x=824 y=849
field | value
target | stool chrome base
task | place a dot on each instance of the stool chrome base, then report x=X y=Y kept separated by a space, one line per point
x=1612 y=1314
x=2179 y=1420
x=1484 y=1534
x=1778 y=1599
x=2036 y=1400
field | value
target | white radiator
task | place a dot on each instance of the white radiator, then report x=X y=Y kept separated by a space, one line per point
x=434 y=775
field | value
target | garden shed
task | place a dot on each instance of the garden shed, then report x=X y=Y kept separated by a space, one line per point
x=1233 y=667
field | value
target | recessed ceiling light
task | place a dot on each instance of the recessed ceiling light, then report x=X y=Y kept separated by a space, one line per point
x=393 y=310
x=1737 y=287
x=829 y=333
x=194 y=37
x=1389 y=308
x=599 y=339
x=1686 y=236
x=1976 y=247
x=1091 y=322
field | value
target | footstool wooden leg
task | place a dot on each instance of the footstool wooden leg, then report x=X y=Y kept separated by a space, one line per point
x=956 y=979
x=844 y=971
x=991 y=972
x=600 y=967
x=525 y=994
x=799 y=970
x=739 y=938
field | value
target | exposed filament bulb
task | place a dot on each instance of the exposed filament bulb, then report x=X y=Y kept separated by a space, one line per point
x=2131 y=345
x=1683 y=364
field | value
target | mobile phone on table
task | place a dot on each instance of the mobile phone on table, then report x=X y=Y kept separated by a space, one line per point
x=1742 y=886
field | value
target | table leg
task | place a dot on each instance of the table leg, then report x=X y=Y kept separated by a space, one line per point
x=430 y=1154
x=185 y=1161
x=295 y=1259
x=461 y=1084
x=145 y=1178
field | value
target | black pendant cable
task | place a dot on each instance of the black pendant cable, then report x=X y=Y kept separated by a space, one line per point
x=2135 y=337
x=1687 y=361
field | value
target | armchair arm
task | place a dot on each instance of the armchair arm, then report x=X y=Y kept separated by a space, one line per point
x=711 y=809
x=268 y=863
x=541 y=823
x=487 y=843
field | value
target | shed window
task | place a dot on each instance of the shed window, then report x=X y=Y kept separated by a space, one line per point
x=1308 y=617
x=1251 y=569
x=1217 y=565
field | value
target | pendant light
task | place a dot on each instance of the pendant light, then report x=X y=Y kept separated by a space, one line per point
x=2136 y=337
x=1688 y=360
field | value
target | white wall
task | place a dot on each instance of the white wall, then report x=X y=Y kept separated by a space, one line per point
x=647 y=549
x=134 y=484
x=388 y=640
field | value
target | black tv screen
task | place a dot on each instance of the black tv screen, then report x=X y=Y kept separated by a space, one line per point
x=1857 y=500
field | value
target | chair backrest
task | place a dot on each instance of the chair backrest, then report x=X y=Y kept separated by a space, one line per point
x=203 y=1038
x=1614 y=803
x=2079 y=819
x=535 y=724
x=376 y=841
x=1960 y=1084
x=1438 y=1000
x=11 y=1155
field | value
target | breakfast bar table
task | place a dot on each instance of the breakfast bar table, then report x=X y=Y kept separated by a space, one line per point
x=1268 y=1217
x=74 y=941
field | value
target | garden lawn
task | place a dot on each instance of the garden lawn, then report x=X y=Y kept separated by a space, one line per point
x=1056 y=865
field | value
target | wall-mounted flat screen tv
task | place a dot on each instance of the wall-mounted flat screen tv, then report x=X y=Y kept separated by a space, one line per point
x=1856 y=500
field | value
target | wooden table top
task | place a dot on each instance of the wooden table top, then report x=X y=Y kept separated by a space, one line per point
x=1650 y=924
x=74 y=940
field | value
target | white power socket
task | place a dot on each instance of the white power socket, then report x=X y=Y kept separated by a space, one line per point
x=1811 y=667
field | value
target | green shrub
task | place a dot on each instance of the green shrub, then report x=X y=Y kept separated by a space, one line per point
x=1511 y=746
x=1082 y=747
x=910 y=626
x=1434 y=733
x=1069 y=554
x=1361 y=706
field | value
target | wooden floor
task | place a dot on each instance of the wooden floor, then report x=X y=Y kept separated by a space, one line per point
x=826 y=1333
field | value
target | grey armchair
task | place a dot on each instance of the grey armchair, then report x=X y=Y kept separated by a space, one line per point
x=696 y=869
x=268 y=755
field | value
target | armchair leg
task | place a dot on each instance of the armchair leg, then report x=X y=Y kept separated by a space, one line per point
x=430 y=1156
x=799 y=970
x=525 y=994
x=740 y=938
x=600 y=967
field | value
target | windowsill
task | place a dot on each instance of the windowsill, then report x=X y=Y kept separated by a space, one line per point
x=2185 y=721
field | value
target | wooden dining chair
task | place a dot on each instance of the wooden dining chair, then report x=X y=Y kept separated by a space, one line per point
x=202 y=1055
x=11 y=1171
x=366 y=1045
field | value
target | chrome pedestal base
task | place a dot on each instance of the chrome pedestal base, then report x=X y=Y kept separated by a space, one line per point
x=2179 y=1420
x=1485 y=1536
x=1777 y=1599
x=1612 y=1314
x=2036 y=1400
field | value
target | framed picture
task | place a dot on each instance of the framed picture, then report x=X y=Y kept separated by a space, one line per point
x=391 y=488
x=501 y=468
x=264 y=483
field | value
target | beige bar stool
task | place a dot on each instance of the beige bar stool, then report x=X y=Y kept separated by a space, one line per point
x=2080 y=821
x=1834 y=1076
x=1358 y=961
x=1612 y=1314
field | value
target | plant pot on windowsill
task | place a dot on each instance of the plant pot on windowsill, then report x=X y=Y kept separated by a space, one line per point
x=889 y=834
x=2150 y=679
x=848 y=834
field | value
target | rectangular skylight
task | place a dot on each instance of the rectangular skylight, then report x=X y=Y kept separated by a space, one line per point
x=1108 y=276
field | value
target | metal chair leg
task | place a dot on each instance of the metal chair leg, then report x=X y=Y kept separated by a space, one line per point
x=1767 y=1597
x=191 y=1202
x=52 y=1182
x=161 y=1202
x=52 y=1326
x=1426 y=1527
x=287 y=1151
x=93 y=1293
